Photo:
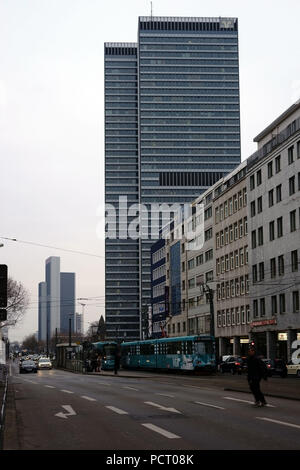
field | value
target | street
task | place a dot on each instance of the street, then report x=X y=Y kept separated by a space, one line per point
x=60 y=410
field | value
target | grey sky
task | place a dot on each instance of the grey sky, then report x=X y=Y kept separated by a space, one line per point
x=51 y=118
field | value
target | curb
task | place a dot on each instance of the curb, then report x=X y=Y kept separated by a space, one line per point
x=286 y=397
x=11 y=439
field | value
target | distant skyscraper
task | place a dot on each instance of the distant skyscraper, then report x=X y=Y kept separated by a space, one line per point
x=79 y=323
x=42 y=324
x=172 y=129
x=67 y=301
x=53 y=294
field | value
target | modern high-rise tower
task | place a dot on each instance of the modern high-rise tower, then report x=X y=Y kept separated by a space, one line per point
x=67 y=302
x=53 y=294
x=172 y=129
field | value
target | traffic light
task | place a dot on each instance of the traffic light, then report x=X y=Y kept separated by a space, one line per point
x=3 y=286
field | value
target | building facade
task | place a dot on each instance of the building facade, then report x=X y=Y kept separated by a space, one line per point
x=159 y=290
x=231 y=267
x=172 y=128
x=273 y=186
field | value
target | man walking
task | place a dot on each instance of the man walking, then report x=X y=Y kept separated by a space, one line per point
x=256 y=371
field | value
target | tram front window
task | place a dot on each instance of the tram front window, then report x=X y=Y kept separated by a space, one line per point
x=202 y=347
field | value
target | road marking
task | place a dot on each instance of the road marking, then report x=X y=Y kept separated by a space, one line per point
x=161 y=431
x=66 y=391
x=131 y=388
x=208 y=404
x=70 y=412
x=49 y=386
x=171 y=410
x=30 y=381
x=165 y=395
x=279 y=422
x=246 y=401
x=104 y=383
x=117 y=410
x=88 y=398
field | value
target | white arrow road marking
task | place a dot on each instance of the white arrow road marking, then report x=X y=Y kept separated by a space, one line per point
x=245 y=401
x=70 y=412
x=171 y=410
x=159 y=430
x=117 y=410
x=280 y=422
x=208 y=404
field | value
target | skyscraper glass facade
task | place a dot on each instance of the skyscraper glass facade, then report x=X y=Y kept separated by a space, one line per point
x=188 y=121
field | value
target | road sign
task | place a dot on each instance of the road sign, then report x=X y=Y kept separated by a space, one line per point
x=3 y=314
x=3 y=285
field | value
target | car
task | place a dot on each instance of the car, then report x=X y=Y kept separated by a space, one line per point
x=233 y=364
x=293 y=369
x=275 y=367
x=28 y=366
x=44 y=363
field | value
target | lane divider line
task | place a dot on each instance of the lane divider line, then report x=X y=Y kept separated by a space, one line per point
x=66 y=391
x=88 y=398
x=117 y=410
x=246 y=401
x=165 y=395
x=49 y=386
x=208 y=404
x=131 y=388
x=161 y=431
x=161 y=407
x=284 y=423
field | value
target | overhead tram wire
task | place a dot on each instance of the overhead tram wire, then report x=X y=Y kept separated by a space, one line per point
x=52 y=247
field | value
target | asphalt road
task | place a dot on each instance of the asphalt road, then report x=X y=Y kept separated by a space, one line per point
x=58 y=410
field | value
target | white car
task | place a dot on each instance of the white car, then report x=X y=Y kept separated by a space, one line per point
x=44 y=363
x=293 y=369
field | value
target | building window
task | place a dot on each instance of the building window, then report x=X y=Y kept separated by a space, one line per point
x=278 y=193
x=237 y=315
x=298 y=149
x=290 y=154
x=273 y=267
x=271 y=197
x=260 y=236
x=262 y=307
x=277 y=164
x=274 y=304
x=295 y=295
x=252 y=182
x=270 y=169
x=294 y=260
x=259 y=205
x=247 y=314
x=254 y=273
x=281 y=303
x=255 y=308
x=293 y=221
x=280 y=265
x=292 y=185
x=271 y=231
x=279 y=227
x=253 y=238
x=258 y=178
x=261 y=271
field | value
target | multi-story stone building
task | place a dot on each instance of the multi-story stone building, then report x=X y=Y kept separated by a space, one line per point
x=232 y=306
x=273 y=186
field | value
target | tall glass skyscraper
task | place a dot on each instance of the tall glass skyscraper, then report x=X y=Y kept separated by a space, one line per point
x=172 y=128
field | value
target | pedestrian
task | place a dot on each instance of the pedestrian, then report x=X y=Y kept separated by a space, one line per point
x=256 y=371
x=94 y=364
x=99 y=359
x=117 y=359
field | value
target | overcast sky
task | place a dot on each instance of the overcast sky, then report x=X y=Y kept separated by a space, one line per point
x=51 y=119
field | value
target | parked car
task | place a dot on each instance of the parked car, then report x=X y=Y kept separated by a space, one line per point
x=233 y=364
x=276 y=367
x=27 y=366
x=293 y=369
x=44 y=363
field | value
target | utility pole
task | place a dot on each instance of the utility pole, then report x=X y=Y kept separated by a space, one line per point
x=70 y=336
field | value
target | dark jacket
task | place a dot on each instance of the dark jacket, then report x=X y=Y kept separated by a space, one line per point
x=256 y=368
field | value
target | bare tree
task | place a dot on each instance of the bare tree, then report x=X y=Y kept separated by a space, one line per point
x=18 y=300
x=30 y=343
x=92 y=332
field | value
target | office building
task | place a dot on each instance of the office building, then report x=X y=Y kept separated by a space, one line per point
x=172 y=129
x=67 y=302
x=159 y=290
x=53 y=294
x=79 y=326
x=42 y=321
